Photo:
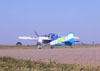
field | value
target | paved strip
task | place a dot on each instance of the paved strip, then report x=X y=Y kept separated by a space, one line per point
x=84 y=56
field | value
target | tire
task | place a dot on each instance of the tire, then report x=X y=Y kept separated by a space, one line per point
x=40 y=46
x=51 y=47
x=71 y=47
x=19 y=43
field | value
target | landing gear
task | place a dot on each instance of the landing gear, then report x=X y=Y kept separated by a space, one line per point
x=51 y=47
x=71 y=46
x=19 y=43
x=40 y=46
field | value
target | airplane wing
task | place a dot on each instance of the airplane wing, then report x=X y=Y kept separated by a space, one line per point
x=29 y=38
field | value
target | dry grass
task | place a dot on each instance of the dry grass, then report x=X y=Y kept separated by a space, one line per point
x=16 y=47
x=33 y=47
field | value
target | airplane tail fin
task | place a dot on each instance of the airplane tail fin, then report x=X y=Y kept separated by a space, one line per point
x=70 y=39
x=71 y=35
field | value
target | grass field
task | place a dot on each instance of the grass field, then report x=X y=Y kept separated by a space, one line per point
x=16 y=47
x=11 y=64
x=32 y=47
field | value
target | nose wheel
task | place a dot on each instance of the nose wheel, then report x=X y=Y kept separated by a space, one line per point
x=40 y=46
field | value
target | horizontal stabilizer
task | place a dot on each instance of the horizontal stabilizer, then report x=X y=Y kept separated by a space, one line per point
x=76 y=41
x=76 y=37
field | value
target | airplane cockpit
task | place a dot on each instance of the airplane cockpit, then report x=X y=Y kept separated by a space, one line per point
x=52 y=36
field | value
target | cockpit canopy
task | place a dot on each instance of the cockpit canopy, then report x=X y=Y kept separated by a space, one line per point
x=53 y=36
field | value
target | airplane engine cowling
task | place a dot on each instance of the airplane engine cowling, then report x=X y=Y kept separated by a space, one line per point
x=40 y=41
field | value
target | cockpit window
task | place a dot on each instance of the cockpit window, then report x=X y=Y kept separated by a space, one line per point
x=52 y=36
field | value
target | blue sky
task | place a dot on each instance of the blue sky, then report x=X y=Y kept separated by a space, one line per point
x=23 y=17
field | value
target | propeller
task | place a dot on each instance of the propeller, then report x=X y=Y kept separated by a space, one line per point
x=37 y=44
x=36 y=33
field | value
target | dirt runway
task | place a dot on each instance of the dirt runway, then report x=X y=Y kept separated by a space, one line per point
x=84 y=56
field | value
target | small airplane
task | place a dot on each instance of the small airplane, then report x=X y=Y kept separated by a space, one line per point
x=53 y=40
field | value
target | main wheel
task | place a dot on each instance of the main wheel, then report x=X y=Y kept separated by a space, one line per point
x=51 y=47
x=71 y=46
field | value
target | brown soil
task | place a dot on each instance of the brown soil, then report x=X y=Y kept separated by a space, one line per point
x=84 y=56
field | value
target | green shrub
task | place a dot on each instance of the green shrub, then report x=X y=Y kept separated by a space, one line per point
x=11 y=64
